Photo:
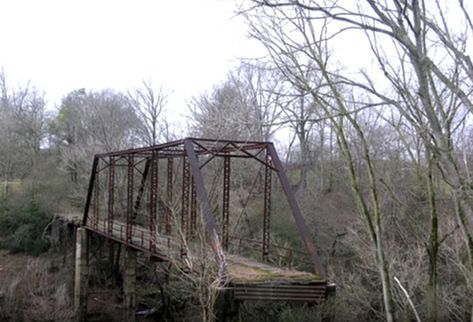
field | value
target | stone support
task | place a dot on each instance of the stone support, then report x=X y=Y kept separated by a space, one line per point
x=81 y=275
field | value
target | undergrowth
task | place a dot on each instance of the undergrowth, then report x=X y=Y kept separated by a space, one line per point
x=23 y=226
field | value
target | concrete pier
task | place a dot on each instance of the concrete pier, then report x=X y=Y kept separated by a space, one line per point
x=129 y=284
x=81 y=275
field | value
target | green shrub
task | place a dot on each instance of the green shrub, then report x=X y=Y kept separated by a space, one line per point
x=22 y=227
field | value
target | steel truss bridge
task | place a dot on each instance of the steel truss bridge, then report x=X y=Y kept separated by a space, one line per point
x=159 y=199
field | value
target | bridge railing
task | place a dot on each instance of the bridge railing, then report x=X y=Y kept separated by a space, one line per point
x=141 y=238
x=281 y=255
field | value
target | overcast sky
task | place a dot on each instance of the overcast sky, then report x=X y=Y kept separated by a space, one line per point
x=62 y=45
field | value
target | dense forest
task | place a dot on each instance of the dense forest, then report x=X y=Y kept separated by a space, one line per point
x=380 y=155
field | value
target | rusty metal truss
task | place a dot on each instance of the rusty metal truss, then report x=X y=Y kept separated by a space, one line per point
x=151 y=198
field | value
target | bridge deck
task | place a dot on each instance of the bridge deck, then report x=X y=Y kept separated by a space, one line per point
x=241 y=269
x=248 y=278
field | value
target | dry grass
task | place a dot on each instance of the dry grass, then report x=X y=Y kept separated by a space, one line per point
x=33 y=289
x=243 y=269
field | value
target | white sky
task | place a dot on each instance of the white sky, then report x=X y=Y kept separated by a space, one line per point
x=62 y=45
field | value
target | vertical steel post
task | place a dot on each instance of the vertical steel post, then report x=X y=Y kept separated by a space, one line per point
x=226 y=202
x=129 y=203
x=111 y=193
x=185 y=196
x=267 y=208
x=169 y=187
x=96 y=199
x=296 y=212
x=153 y=201
x=185 y=203
x=193 y=219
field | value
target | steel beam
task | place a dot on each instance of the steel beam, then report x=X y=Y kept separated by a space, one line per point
x=141 y=190
x=90 y=190
x=254 y=156
x=185 y=204
x=153 y=202
x=226 y=202
x=144 y=149
x=96 y=200
x=169 y=187
x=193 y=219
x=202 y=195
x=129 y=203
x=266 y=208
x=111 y=194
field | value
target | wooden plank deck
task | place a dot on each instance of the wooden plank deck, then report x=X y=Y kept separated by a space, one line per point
x=243 y=270
x=249 y=279
x=253 y=280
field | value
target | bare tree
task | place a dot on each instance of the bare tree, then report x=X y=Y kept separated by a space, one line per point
x=245 y=106
x=23 y=128
x=7 y=154
x=306 y=66
x=299 y=115
x=89 y=123
x=149 y=103
x=262 y=84
x=421 y=51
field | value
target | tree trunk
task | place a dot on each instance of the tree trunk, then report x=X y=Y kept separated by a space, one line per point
x=5 y=186
x=433 y=245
